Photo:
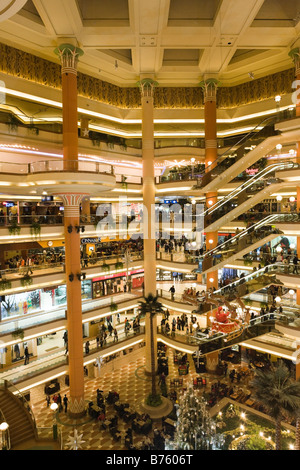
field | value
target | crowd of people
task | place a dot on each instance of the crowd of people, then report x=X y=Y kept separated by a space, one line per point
x=26 y=263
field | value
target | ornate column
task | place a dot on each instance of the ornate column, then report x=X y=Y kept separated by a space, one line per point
x=147 y=86
x=69 y=55
x=71 y=203
x=209 y=87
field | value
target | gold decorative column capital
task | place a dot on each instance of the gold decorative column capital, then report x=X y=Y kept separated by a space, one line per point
x=69 y=56
x=209 y=87
x=147 y=86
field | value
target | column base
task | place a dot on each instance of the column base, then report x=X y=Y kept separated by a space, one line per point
x=78 y=415
x=157 y=412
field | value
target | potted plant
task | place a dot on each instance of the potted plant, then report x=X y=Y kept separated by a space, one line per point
x=14 y=228
x=26 y=280
x=113 y=307
x=105 y=267
x=119 y=265
x=18 y=333
x=35 y=228
x=5 y=284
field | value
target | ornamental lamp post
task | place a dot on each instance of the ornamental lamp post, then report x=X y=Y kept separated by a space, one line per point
x=4 y=436
x=54 y=407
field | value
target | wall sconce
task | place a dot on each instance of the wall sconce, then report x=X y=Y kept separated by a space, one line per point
x=70 y=229
x=71 y=277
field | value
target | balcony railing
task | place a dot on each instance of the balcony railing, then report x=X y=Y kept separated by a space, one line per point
x=56 y=166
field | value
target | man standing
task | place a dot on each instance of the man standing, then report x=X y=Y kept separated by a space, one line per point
x=26 y=355
x=295 y=263
x=65 y=400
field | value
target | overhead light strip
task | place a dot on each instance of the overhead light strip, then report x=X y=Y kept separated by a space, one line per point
x=57 y=104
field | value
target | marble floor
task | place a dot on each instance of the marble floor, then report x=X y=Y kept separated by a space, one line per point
x=128 y=379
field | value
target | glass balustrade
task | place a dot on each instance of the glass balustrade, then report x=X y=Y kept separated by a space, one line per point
x=181 y=257
x=256 y=281
x=213 y=341
x=58 y=312
x=251 y=187
x=56 y=166
x=42 y=268
x=255 y=233
x=47 y=363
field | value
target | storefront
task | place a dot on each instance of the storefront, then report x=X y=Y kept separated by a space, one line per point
x=164 y=275
x=115 y=283
x=39 y=300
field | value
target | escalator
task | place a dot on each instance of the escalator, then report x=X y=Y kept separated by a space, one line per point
x=251 y=283
x=245 y=242
x=246 y=196
x=248 y=150
x=256 y=328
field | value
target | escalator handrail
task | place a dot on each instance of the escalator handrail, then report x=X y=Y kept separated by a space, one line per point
x=244 y=138
x=268 y=219
x=248 y=183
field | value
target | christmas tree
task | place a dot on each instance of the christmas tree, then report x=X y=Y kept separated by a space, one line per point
x=195 y=429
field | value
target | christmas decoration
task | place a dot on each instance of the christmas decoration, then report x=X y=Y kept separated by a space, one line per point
x=195 y=429
x=75 y=442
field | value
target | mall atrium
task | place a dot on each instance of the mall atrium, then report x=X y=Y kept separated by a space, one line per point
x=149 y=223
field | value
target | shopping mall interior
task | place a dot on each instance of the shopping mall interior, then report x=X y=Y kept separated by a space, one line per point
x=149 y=225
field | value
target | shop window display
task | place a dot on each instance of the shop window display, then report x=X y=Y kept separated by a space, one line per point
x=39 y=299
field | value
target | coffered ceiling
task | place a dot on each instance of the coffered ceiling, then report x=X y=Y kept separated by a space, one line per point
x=178 y=42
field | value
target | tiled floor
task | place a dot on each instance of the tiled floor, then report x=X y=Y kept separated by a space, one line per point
x=129 y=381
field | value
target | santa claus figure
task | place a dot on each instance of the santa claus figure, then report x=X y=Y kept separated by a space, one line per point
x=222 y=316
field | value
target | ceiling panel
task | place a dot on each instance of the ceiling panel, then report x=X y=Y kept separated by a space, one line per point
x=278 y=13
x=95 y=11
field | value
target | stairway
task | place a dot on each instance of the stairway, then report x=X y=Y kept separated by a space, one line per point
x=21 y=426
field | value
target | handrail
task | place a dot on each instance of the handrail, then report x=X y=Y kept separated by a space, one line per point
x=245 y=138
x=244 y=186
x=62 y=359
x=266 y=222
x=9 y=325
x=265 y=270
x=233 y=243
x=57 y=165
x=91 y=261
x=70 y=165
x=9 y=385
x=219 y=340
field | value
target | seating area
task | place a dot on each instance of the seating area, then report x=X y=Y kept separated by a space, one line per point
x=109 y=410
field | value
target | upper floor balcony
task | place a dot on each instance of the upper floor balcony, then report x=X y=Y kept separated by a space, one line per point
x=55 y=177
